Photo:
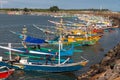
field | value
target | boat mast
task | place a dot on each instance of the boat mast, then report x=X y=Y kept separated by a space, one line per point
x=86 y=33
x=60 y=41
x=61 y=25
x=59 y=52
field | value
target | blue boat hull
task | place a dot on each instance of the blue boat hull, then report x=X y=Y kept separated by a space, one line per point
x=44 y=68
x=52 y=68
x=9 y=65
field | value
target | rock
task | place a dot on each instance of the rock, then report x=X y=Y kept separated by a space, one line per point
x=101 y=78
x=111 y=51
x=84 y=79
x=100 y=70
x=113 y=76
x=117 y=55
x=110 y=54
x=104 y=61
x=117 y=68
x=108 y=73
x=117 y=61
x=118 y=78
x=95 y=66
x=98 y=77
x=107 y=69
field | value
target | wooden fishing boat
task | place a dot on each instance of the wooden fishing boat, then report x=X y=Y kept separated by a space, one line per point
x=37 y=42
x=64 y=66
x=5 y=72
x=98 y=31
x=53 y=67
x=64 y=52
x=77 y=39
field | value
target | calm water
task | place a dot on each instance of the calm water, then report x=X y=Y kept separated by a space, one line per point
x=16 y=23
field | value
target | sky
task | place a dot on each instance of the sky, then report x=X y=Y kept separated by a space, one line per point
x=113 y=5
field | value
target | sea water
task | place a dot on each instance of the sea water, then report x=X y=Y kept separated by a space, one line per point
x=17 y=22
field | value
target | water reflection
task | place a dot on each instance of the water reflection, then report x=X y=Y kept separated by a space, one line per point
x=37 y=75
x=96 y=52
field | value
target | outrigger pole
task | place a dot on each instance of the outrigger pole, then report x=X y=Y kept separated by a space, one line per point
x=10 y=56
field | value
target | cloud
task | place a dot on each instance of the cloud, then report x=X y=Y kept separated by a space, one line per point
x=3 y=1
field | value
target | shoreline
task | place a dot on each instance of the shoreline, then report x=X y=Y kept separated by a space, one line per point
x=107 y=69
x=114 y=16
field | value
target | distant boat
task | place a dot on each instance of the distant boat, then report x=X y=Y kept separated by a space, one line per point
x=5 y=72
x=76 y=36
x=37 y=41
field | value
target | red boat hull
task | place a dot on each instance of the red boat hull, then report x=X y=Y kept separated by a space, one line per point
x=6 y=74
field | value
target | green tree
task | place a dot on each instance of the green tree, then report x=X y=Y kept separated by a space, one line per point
x=54 y=9
x=26 y=10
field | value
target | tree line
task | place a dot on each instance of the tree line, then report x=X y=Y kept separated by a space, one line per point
x=52 y=9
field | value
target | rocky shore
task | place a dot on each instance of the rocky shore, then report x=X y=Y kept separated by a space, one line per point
x=107 y=69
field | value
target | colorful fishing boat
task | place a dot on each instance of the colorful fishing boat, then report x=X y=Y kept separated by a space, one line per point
x=31 y=51
x=77 y=36
x=36 y=42
x=64 y=66
x=5 y=72
x=82 y=39
x=57 y=67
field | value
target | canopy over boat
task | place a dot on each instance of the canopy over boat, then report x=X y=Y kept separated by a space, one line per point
x=30 y=39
